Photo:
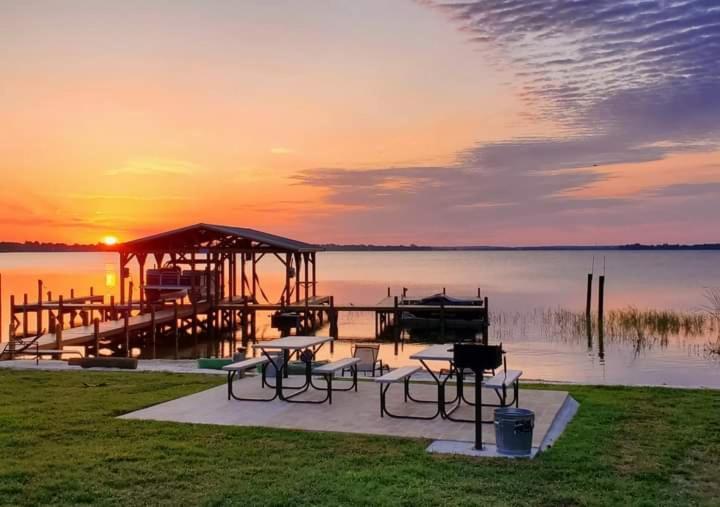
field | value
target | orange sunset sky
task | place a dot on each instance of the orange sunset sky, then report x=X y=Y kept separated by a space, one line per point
x=361 y=122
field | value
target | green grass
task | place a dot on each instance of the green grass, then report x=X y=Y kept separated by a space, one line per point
x=60 y=443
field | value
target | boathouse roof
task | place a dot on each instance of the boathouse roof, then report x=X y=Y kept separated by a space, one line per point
x=201 y=236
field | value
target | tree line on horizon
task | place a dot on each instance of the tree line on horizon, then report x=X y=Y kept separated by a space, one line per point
x=38 y=246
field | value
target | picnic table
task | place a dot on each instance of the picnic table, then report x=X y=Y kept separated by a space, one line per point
x=302 y=347
x=444 y=352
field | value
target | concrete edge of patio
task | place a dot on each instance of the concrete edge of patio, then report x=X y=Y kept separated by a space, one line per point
x=562 y=419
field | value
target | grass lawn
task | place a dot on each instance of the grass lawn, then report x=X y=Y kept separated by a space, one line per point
x=60 y=443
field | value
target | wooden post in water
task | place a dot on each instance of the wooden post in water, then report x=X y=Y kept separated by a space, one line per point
x=396 y=325
x=588 y=301
x=479 y=296
x=388 y=292
x=485 y=332
x=601 y=302
x=442 y=318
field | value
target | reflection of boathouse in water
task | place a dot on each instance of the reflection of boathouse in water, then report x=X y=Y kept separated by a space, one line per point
x=205 y=286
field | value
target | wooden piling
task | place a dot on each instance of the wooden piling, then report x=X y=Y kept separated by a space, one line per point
x=176 y=331
x=396 y=324
x=59 y=327
x=486 y=326
x=96 y=335
x=153 y=331
x=126 y=332
x=601 y=302
x=25 y=316
x=38 y=314
x=332 y=317
x=588 y=300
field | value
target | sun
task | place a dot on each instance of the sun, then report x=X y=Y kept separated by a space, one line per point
x=110 y=240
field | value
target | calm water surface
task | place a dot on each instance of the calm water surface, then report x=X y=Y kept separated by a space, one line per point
x=529 y=293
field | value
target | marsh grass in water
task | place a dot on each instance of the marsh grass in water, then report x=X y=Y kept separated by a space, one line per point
x=640 y=328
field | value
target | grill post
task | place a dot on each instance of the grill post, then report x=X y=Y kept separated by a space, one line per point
x=478 y=410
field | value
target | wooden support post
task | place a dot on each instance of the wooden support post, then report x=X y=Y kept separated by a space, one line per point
x=396 y=325
x=314 y=275
x=141 y=263
x=486 y=326
x=153 y=331
x=113 y=315
x=25 y=316
x=244 y=324
x=588 y=298
x=126 y=331
x=601 y=302
x=176 y=331
x=333 y=318
x=123 y=262
x=307 y=293
x=92 y=293
x=479 y=296
x=193 y=330
x=444 y=291
x=388 y=292
x=298 y=276
x=254 y=278
x=96 y=335
x=285 y=300
x=38 y=315
x=243 y=278
x=59 y=327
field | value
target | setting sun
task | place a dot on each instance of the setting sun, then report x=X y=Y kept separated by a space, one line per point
x=110 y=240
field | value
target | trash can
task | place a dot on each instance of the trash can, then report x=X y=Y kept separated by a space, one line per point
x=514 y=430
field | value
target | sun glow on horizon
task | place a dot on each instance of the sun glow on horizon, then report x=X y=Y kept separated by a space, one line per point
x=110 y=240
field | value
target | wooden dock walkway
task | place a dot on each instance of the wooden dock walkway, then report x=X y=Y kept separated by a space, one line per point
x=82 y=335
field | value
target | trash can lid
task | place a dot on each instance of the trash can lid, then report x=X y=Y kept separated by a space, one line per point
x=512 y=412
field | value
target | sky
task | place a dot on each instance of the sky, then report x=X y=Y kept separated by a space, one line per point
x=435 y=122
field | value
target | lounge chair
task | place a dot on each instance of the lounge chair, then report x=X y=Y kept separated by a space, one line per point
x=369 y=363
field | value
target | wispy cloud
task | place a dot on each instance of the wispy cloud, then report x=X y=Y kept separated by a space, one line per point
x=628 y=81
x=155 y=166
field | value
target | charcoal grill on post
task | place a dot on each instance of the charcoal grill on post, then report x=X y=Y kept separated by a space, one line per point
x=478 y=358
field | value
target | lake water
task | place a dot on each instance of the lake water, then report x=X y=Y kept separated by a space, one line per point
x=535 y=298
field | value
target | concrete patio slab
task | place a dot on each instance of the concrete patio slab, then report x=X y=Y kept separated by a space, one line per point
x=351 y=412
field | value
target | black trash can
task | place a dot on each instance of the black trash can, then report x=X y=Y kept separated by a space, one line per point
x=514 y=431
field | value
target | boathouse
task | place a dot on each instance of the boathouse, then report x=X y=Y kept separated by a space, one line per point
x=229 y=257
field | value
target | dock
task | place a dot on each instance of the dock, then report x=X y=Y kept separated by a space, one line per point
x=221 y=300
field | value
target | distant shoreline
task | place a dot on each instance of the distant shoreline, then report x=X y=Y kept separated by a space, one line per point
x=29 y=247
